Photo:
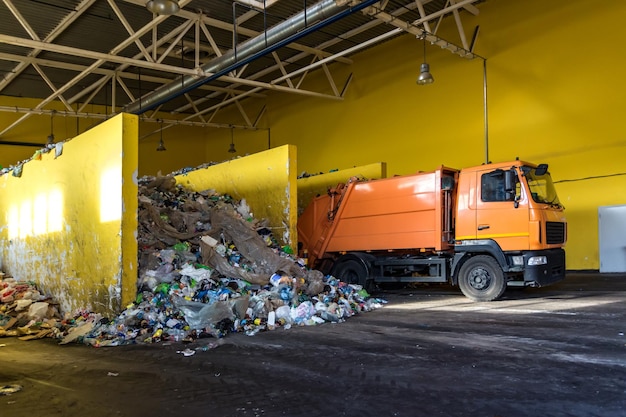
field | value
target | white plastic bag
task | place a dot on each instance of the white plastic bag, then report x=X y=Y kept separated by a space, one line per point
x=37 y=311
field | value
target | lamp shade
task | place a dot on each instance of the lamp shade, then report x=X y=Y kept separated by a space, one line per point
x=163 y=7
x=425 y=76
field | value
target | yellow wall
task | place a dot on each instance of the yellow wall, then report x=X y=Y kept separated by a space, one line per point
x=267 y=180
x=556 y=95
x=193 y=146
x=69 y=223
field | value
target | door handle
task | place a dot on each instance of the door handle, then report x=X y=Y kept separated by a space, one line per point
x=483 y=226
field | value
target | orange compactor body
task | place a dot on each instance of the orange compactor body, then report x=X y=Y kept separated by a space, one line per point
x=482 y=228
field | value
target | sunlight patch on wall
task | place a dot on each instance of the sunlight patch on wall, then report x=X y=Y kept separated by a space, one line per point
x=13 y=221
x=110 y=191
x=39 y=216
x=26 y=219
x=55 y=211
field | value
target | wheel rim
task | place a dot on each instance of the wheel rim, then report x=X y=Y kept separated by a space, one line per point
x=351 y=272
x=351 y=276
x=480 y=279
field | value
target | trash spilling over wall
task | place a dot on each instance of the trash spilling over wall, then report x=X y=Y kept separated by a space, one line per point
x=207 y=268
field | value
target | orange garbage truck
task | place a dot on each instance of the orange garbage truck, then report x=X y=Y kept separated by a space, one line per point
x=482 y=228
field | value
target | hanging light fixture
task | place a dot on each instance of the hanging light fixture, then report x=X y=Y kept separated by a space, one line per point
x=163 y=7
x=231 y=149
x=425 y=76
x=51 y=135
x=161 y=146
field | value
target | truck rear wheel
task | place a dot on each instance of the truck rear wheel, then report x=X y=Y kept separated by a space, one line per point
x=352 y=270
x=482 y=279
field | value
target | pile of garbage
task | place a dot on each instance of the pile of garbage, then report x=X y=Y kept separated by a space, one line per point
x=25 y=311
x=207 y=268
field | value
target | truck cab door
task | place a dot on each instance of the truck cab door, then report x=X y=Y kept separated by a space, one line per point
x=502 y=211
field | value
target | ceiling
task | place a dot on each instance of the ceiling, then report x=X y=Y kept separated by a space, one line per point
x=212 y=54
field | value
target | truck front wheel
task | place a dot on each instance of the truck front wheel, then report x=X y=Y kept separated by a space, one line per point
x=482 y=279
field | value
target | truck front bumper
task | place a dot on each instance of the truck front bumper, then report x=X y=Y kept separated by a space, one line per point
x=553 y=270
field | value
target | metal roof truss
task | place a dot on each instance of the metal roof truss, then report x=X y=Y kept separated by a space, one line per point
x=134 y=52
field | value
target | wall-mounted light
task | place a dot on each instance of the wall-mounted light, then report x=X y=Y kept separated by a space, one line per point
x=425 y=76
x=232 y=149
x=163 y=7
x=161 y=146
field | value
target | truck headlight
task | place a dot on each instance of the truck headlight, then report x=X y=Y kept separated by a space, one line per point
x=518 y=260
x=537 y=260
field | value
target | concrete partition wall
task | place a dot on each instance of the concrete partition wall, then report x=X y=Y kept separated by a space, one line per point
x=69 y=223
x=267 y=180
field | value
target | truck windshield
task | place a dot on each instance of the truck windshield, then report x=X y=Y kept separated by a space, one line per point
x=541 y=187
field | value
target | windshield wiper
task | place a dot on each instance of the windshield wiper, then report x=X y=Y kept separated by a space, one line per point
x=554 y=204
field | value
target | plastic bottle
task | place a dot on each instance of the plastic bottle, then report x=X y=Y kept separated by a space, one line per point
x=271 y=320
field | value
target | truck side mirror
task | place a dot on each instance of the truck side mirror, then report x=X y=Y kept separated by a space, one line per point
x=509 y=181
x=541 y=170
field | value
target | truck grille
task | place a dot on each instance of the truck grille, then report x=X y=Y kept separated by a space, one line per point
x=555 y=233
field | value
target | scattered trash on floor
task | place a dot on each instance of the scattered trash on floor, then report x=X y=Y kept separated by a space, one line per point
x=187 y=352
x=209 y=346
x=10 y=389
x=207 y=268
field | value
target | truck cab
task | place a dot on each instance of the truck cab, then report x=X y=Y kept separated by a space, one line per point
x=511 y=213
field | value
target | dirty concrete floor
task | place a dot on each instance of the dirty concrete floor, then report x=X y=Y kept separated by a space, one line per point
x=555 y=351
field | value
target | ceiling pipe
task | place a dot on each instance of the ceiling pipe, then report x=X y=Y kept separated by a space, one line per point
x=323 y=13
